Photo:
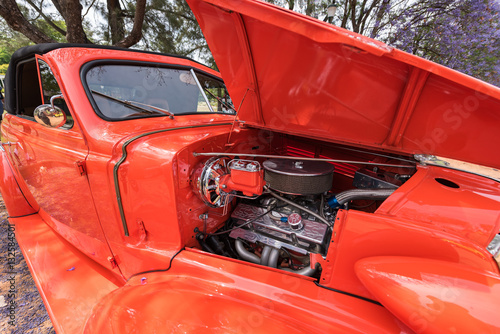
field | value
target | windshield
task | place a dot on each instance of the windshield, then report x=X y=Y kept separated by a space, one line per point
x=128 y=91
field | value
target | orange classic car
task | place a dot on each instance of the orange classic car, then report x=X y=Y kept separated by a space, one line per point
x=330 y=184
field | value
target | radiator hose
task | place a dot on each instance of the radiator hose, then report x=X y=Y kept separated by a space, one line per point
x=346 y=196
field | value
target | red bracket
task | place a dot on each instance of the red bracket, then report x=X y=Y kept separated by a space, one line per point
x=113 y=262
x=81 y=167
x=142 y=231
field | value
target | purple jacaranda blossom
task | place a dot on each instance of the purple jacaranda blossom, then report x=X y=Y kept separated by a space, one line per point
x=463 y=35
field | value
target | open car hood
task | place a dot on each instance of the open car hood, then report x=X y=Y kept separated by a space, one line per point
x=295 y=74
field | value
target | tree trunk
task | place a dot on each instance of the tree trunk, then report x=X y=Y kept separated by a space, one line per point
x=115 y=21
x=310 y=7
x=353 y=4
x=72 y=10
x=16 y=20
x=136 y=33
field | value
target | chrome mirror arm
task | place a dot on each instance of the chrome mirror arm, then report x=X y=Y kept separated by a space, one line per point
x=49 y=114
x=55 y=97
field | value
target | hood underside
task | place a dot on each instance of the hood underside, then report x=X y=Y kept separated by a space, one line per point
x=295 y=74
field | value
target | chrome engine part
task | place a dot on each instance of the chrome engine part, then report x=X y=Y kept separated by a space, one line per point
x=208 y=182
x=371 y=194
x=220 y=179
x=287 y=213
x=308 y=236
x=298 y=177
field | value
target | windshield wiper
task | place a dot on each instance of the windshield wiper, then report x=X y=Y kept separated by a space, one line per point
x=136 y=105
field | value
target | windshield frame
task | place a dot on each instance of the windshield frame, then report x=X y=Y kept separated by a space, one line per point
x=88 y=91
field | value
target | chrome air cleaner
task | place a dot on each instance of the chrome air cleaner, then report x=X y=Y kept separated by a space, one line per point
x=298 y=177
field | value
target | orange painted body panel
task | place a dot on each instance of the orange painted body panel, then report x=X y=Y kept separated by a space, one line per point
x=14 y=199
x=449 y=237
x=48 y=166
x=205 y=294
x=301 y=76
x=122 y=201
x=424 y=199
x=364 y=235
x=434 y=296
x=69 y=282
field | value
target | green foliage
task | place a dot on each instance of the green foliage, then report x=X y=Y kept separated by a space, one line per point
x=170 y=27
x=4 y=55
x=10 y=41
x=51 y=31
x=3 y=68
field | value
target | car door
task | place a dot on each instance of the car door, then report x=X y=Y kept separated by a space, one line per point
x=52 y=162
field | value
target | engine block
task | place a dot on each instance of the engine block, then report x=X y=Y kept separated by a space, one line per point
x=309 y=238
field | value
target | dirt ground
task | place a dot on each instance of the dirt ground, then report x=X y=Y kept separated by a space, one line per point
x=16 y=284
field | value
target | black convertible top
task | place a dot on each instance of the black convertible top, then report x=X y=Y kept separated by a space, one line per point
x=30 y=51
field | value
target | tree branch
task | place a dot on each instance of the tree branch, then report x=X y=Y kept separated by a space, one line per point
x=353 y=4
x=88 y=9
x=177 y=13
x=115 y=21
x=16 y=20
x=59 y=8
x=46 y=18
x=136 y=33
x=346 y=15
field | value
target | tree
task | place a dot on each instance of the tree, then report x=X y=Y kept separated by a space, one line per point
x=368 y=17
x=171 y=27
x=166 y=26
x=70 y=11
x=461 y=34
x=10 y=41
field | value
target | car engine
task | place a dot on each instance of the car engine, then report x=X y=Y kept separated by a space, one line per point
x=282 y=210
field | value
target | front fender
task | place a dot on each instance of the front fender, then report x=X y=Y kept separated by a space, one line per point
x=433 y=296
x=182 y=306
x=13 y=197
x=206 y=294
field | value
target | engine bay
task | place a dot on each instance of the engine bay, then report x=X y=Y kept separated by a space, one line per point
x=282 y=208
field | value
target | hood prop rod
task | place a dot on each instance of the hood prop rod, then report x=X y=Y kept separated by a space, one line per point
x=270 y=156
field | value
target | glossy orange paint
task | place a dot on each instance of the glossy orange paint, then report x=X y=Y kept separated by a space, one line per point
x=249 y=183
x=105 y=141
x=14 y=199
x=433 y=296
x=47 y=160
x=208 y=294
x=359 y=235
x=70 y=284
x=131 y=233
x=100 y=143
x=305 y=77
x=431 y=197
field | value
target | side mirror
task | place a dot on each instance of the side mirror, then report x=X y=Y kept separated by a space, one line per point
x=49 y=114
